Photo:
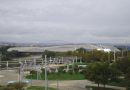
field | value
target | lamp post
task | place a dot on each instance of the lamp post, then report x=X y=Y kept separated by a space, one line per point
x=114 y=56
x=0 y=59
x=20 y=71
x=76 y=59
x=31 y=78
x=46 y=82
x=57 y=79
x=7 y=64
x=109 y=57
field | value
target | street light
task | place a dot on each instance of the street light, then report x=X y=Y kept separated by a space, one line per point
x=20 y=71
x=46 y=82
x=114 y=55
x=0 y=59
x=57 y=79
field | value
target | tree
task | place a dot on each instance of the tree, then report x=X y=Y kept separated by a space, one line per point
x=114 y=72
x=48 y=53
x=91 y=73
x=4 y=53
x=81 y=50
x=127 y=79
x=123 y=65
x=100 y=72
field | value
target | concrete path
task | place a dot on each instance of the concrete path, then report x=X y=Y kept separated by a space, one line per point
x=71 y=84
x=8 y=75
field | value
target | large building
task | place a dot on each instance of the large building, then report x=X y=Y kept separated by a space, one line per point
x=64 y=48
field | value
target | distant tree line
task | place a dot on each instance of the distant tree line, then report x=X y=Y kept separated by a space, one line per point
x=5 y=55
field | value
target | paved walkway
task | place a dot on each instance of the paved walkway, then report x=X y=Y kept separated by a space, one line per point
x=71 y=84
x=8 y=75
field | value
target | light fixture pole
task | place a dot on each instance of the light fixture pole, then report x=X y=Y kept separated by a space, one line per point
x=76 y=59
x=57 y=79
x=0 y=59
x=109 y=57
x=46 y=82
x=114 y=56
x=7 y=65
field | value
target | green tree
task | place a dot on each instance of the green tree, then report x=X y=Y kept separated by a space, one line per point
x=48 y=53
x=81 y=50
x=127 y=79
x=100 y=72
x=114 y=72
x=4 y=53
x=123 y=65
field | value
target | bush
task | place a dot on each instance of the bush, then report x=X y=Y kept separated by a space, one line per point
x=70 y=72
x=33 y=72
x=17 y=85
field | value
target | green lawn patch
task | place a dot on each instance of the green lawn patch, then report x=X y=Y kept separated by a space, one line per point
x=59 y=76
x=38 y=88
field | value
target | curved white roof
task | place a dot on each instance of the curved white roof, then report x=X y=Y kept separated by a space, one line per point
x=61 y=48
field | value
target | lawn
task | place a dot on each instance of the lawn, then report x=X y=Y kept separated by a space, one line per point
x=59 y=76
x=38 y=88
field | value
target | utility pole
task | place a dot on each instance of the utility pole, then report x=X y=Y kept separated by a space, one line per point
x=122 y=53
x=42 y=61
x=0 y=59
x=126 y=49
x=114 y=56
x=57 y=79
x=62 y=60
x=76 y=59
x=73 y=65
x=7 y=64
x=20 y=72
x=109 y=57
x=46 y=82
x=80 y=59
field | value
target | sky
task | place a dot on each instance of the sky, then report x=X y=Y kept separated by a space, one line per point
x=77 y=21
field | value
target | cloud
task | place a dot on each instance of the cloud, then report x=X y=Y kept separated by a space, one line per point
x=67 y=20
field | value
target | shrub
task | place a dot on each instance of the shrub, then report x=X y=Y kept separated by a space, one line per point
x=17 y=85
x=33 y=72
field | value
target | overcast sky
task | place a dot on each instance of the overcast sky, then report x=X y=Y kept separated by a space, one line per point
x=65 y=20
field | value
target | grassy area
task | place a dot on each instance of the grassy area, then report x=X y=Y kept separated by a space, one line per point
x=99 y=88
x=38 y=88
x=59 y=76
